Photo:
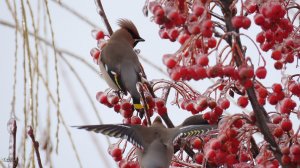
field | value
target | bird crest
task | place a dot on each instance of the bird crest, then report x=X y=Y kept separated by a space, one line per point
x=129 y=26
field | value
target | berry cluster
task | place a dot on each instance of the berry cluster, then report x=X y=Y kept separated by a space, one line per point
x=276 y=33
x=291 y=155
x=201 y=103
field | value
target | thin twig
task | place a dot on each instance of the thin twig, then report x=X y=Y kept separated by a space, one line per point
x=103 y=16
x=165 y=116
x=35 y=145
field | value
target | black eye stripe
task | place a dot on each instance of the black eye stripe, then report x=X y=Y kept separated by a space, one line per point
x=133 y=35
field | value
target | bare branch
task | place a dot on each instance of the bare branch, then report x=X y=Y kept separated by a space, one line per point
x=35 y=145
x=103 y=16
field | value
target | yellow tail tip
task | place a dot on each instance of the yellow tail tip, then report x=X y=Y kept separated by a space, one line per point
x=138 y=106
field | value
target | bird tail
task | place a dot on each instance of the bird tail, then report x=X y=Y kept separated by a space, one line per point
x=130 y=77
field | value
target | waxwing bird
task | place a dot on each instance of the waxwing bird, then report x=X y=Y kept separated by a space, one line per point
x=155 y=144
x=119 y=63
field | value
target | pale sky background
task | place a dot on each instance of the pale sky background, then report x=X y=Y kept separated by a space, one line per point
x=74 y=35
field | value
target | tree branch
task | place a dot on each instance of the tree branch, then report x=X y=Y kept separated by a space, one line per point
x=262 y=117
x=103 y=16
x=36 y=146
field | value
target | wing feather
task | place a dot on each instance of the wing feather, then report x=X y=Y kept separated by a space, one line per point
x=192 y=130
x=130 y=132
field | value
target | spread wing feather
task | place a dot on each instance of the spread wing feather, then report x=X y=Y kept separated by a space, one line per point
x=130 y=132
x=192 y=130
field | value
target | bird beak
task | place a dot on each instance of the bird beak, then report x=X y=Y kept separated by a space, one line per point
x=139 y=40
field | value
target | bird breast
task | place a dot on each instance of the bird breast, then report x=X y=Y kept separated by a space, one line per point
x=158 y=155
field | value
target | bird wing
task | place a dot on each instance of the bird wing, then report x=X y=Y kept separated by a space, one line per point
x=114 y=74
x=133 y=133
x=192 y=130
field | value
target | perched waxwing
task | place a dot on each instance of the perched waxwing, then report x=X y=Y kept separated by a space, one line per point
x=119 y=63
x=155 y=144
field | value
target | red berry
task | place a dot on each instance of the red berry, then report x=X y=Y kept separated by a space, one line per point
x=112 y=99
x=276 y=87
x=278 y=132
x=161 y=111
x=100 y=35
x=278 y=65
x=215 y=71
x=95 y=53
x=169 y=60
x=220 y=157
x=244 y=157
x=102 y=97
x=237 y=21
x=224 y=103
x=182 y=38
x=194 y=29
x=196 y=143
x=285 y=150
x=135 y=120
x=117 y=107
x=126 y=113
x=294 y=88
x=206 y=28
x=159 y=103
x=262 y=92
x=175 y=74
x=200 y=72
x=231 y=133
x=215 y=144
x=246 y=22
x=116 y=152
x=210 y=155
x=260 y=37
x=261 y=72
x=277 y=119
x=285 y=159
x=212 y=104
x=276 y=55
x=273 y=99
x=173 y=34
x=125 y=105
x=295 y=149
x=159 y=12
x=198 y=10
x=228 y=70
x=242 y=101
x=173 y=15
x=259 y=19
x=238 y=123
x=198 y=158
x=286 y=125
x=231 y=159
x=211 y=43
x=203 y=60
